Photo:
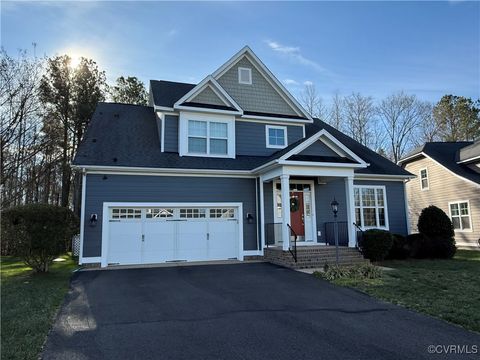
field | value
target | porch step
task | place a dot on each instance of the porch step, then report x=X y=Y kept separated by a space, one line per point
x=313 y=257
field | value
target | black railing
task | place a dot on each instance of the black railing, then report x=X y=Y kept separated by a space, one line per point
x=273 y=231
x=358 y=237
x=293 y=250
x=342 y=233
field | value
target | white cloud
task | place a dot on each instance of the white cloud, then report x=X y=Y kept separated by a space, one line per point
x=295 y=54
x=308 y=83
x=290 y=82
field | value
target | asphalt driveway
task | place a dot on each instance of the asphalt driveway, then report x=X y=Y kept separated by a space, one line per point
x=244 y=311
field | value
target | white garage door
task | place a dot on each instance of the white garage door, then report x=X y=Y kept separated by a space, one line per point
x=144 y=235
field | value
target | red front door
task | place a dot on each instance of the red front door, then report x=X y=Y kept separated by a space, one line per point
x=296 y=212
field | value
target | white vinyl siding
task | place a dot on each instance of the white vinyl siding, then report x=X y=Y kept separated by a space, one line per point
x=460 y=215
x=371 y=207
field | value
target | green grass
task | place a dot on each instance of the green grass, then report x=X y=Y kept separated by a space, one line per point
x=29 y=302
x=447 y=289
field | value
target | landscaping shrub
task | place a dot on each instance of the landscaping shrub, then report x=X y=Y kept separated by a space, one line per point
x=400 y=248
x=375 y=244
x=419 y=248
x=38 y=233
x=438 y=234
x=361 y=271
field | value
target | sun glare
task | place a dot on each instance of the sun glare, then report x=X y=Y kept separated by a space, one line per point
x=75 y=60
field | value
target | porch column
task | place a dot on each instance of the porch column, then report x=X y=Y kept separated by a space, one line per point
x=262 y=216
x=350 y=211
x=284 y=180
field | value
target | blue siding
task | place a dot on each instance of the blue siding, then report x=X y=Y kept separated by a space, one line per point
x=251 y=140
x=397 y=217
x=171 y=133
x=318 y=148
x=133 y=188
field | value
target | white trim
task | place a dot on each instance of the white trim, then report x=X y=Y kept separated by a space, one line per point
x=106 y=218
x=163 y=108
x=240 y=69
x=304 y=132
x=82 y=216
x=207 y=110
x=420 y=177
x=267 y=118
x=407 y=213
x=366 y=186
x=252 y=253
x=313 y=208
x=281 y=90
x=285 y=185
x=469 y=160
x=330 y=137
x=436 y=162
x=460 y=216
x=90 y=260
x=262 y=214
x=383 y=177
x=161 y=116
x=183 y=133
x=349 y=195
x=267 y=137
x=311 y=163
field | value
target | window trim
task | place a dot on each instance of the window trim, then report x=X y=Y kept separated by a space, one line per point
x=460 y=216
x=385 y=206
x=428 y=180
x=240 y=69
x=267 y=142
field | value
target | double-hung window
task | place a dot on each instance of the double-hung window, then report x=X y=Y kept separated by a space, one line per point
x=370 y=207
x=424 y=179
x=460 y=215
x=276 y=136
x=207 y=137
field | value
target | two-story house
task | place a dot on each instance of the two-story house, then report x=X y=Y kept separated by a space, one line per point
x=448 y=176
x=223 y=168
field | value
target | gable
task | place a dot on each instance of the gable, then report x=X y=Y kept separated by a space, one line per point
x=208 y=96
x=319 y=148
x=260 y=96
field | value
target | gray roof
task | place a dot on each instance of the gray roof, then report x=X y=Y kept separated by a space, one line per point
x=127 y=135
x=447 y=154
x=166 y=93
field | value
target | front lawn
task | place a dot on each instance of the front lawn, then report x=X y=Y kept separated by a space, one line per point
x=28 y=305
x=448 y=289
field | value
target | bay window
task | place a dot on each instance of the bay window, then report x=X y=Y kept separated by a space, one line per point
x=370 y=207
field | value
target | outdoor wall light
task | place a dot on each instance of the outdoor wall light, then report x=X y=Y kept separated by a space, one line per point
x=93 y=219
x=334 y=205
x=249 y=218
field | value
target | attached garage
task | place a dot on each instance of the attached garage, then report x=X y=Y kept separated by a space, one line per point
x=146 y=233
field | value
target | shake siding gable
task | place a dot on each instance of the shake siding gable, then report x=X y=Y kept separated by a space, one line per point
x=444 y=187
x=260 y=96
x=207 y=96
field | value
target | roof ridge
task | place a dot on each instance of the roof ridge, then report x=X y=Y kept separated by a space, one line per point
x=174 y=82
x=120 y=103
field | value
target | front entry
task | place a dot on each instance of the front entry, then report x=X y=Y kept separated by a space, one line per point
x=297 y=214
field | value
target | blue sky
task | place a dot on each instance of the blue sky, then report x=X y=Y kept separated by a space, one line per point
x=375 y=48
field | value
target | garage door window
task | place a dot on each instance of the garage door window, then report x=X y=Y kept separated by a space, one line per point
x=192 y=213
x=126 y=213
x=225 y=213
x=158 y=213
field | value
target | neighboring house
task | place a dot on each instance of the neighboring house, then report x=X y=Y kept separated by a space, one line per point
x=448 y=176
x=219 y=169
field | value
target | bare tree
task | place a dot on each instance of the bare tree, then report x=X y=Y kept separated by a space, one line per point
x=401 y=115
x=427 y=129
x=336 y=113
x=359 y=114
x=313 y=102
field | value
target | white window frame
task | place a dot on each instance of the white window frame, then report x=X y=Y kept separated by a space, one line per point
x=186 y=116
x=267 y=139
x=420 y=176
x=458 y=202
x=377 y=219
x=249 y=70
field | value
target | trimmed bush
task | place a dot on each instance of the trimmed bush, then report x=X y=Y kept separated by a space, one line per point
x=400 y=249
x=419 y=248
x=438 y=234
x=38 y=233
x=361 y=271
x=375 y=244
x=434 y=223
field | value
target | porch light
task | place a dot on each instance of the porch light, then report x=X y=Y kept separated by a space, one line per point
x=334 y=205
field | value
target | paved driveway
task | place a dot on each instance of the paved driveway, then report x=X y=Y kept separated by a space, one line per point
x=244 y=311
